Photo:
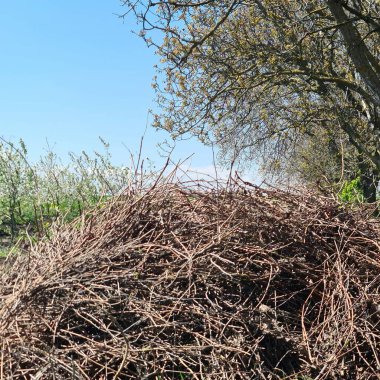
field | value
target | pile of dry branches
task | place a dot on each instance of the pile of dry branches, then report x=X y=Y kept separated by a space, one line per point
x=177 y=282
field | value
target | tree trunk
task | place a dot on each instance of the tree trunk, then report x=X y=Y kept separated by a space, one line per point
x=369 y=188
x=365 y=63
x=369 y=179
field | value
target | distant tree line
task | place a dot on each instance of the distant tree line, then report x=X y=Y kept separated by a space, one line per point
x=34 y=194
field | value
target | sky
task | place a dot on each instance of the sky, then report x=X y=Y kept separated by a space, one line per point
x=71 y=71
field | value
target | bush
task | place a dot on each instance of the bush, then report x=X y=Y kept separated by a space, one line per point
x=351 y=192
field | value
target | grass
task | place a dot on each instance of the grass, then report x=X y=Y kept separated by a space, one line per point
x=4 y=252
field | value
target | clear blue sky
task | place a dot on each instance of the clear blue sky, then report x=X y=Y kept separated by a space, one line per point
x=71 y=71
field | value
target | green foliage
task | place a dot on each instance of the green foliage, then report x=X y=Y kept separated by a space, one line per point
x=351 y=192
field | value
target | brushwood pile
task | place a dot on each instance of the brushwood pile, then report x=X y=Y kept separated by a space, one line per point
x=197 y=282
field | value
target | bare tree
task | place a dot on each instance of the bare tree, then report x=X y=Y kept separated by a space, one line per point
x=257 y=77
